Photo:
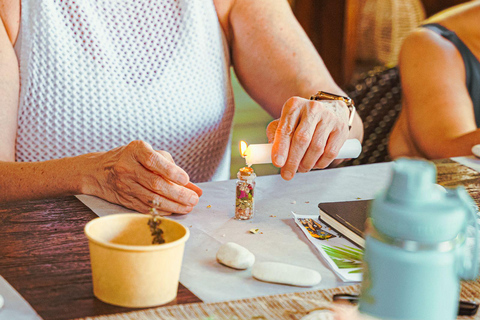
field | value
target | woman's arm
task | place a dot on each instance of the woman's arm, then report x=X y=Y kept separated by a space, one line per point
x=437 y=107
x=9 y=90
x=275 y=61
x=135 y=176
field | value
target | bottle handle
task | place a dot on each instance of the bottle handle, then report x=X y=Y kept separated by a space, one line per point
x=470 y=267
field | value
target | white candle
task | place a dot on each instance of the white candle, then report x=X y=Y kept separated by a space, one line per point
x=262 y=153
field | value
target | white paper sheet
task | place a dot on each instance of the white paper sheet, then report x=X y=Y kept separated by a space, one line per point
x=470 y=161
x=334 y=241
x=279 y=239
x=15 y=306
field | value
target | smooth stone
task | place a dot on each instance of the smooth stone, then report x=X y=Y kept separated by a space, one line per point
x=1 y=302
x=282 y=273
x=476 y=150
x=235 y=256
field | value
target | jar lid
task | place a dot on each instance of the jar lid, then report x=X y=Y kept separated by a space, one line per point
x=246 y=171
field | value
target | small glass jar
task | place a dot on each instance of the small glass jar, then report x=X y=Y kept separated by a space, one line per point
x=244 y=195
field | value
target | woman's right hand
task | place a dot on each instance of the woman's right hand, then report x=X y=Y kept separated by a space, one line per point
x=140 y=178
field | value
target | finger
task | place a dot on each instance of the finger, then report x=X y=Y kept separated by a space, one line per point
x=271 y=128
x=189 y=185
x=167 y=206
x=160 y=202
x=316 y=147
x=335 y=163
x=157 y=163
x=285 y=130
x=334 y=143
x=159 y=185
x=135 y=204
x=301 y=140
x=343 y=311
x=195 y=188
x=166 y=154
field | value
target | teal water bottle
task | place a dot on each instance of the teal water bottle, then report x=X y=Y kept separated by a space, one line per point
x=416 y=249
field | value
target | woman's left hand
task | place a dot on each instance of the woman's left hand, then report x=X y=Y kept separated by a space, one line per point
x=309 y=134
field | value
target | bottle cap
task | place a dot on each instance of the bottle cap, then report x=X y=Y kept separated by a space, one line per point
x=414 y=208
x=412 y=181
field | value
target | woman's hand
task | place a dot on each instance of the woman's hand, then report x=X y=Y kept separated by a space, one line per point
x=309 y=134
x=140 y=178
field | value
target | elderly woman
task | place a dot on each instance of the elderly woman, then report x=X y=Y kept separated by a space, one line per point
x=97 y=96
x=440 y=74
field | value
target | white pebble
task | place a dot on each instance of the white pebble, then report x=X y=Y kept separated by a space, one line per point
x=235 y=256
x=282 y=273
x=294 y=202
x=476 y=150
x=1 y=302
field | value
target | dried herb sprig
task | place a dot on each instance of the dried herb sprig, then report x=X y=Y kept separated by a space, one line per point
x=154 y=224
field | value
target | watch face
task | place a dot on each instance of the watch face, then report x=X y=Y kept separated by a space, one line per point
x=330 y=96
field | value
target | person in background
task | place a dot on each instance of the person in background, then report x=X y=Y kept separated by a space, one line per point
x=440 y=75
x=100 y=98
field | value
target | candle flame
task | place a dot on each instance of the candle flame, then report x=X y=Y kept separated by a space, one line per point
x=243 y=148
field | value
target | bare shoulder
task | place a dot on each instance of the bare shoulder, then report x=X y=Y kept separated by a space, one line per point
x=425 y=53
x=423 y=41
x=10 y=16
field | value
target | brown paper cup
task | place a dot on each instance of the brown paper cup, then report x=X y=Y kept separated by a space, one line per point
x=129 y=271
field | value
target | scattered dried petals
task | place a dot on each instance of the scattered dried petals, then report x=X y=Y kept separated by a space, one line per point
x=209 y=206
x=272 y=216
x=261 y=232
x=254 y=230
x=358 y=198
x=307 y=201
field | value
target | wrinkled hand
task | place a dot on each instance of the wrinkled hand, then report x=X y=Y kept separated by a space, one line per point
x=138 y=177
x=309 y=134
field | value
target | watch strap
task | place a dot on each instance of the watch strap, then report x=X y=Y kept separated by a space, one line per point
x=322 y=95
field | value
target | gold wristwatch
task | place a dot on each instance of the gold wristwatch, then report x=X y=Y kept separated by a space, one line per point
x=322 y=95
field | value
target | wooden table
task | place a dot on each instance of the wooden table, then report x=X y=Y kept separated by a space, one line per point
x=44 y=253
x=44 y=256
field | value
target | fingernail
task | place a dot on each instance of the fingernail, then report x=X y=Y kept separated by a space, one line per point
x=280 y=160
x=182 y=179
x=193 y=200
x=287 y=175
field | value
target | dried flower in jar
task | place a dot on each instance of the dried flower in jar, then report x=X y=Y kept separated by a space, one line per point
x=244 y=202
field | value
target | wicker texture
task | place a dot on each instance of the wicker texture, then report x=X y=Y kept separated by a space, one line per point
x=389 y=21
x=378 y=97
x=291 y=306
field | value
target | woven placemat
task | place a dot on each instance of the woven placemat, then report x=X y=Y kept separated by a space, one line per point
x=291 y=306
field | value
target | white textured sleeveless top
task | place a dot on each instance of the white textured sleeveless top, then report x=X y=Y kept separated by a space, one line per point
x=97 y=74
